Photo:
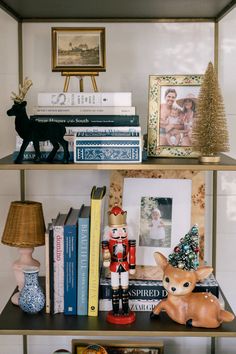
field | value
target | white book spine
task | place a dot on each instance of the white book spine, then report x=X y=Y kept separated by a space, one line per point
x=58 y=255
x=84 y=99
x=79 y=110
x=75 y=130
x=107 y=139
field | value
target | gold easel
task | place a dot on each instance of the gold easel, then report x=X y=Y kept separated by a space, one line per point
x=81 y=77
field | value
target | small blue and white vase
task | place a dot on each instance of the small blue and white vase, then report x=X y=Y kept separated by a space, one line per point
x=31 y=297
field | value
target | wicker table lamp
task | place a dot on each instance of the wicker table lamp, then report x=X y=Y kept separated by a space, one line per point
x=25 y=229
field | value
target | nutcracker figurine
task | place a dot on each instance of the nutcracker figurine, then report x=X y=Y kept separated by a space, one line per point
x=119 y=255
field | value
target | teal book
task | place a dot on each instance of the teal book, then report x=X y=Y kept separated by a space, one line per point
x=70 y=262
x=83 y=260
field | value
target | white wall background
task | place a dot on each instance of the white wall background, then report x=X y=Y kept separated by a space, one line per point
x=134 y=51
x=8 y=79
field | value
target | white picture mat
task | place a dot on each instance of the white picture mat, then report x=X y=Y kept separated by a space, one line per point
x=177 y=189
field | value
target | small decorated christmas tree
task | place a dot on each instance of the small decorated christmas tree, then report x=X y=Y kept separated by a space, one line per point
x=185 y=255
x=210 y=135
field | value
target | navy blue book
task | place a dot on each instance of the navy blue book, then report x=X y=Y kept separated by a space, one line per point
x=70 y=262
x=30 y=155
x=90 y=120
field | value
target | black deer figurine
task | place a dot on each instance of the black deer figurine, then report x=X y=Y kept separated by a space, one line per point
x=34 y=131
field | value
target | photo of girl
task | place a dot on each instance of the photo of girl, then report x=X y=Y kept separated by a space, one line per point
x=157 y=227
x=156 y=222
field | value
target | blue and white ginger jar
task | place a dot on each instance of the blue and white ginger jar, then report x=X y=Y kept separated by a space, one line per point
x=31 y=298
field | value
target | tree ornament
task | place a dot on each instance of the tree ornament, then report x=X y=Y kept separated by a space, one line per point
x=210 y=135
x=176 y=249
x=191 y=256
x=181 y=265
x=185 y=255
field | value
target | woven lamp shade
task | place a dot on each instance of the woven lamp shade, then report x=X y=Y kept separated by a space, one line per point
x=25 y=226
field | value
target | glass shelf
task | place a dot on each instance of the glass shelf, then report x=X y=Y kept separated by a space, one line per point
x=226 y=164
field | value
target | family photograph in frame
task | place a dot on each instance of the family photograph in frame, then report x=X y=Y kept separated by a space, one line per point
x=172 y=110
x=78 y=49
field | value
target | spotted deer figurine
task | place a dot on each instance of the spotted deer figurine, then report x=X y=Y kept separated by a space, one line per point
x=182 y=305
x=30 y=130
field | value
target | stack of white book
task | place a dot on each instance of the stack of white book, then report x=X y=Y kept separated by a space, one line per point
x=89 y=118
x=84 y=103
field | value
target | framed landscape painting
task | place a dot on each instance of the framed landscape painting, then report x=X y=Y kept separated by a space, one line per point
x=78 y=49
x=172 y=110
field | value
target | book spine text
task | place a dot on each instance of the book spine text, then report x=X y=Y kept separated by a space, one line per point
x=84 y=99
x=58 y=235
x=83 y=263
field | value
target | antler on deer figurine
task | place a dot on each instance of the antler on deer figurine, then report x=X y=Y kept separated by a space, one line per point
x=34 y=131
x=23 y=89
x=180 y=277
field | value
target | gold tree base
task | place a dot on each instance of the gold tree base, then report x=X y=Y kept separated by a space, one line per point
x=209 y=159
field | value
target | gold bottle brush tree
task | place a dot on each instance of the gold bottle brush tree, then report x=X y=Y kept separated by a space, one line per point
x=210 y=134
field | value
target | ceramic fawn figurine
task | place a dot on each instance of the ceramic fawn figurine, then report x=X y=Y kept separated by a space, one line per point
x=179 y=279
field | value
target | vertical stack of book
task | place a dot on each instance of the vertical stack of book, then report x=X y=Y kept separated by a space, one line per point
x=72 y=249
x=96 y=121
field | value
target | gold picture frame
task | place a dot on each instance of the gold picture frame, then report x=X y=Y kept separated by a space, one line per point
x=197 y=199
x=78 y=49
x=116 y=347
x=170 y=119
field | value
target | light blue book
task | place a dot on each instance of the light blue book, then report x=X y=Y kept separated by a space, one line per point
x=83 y=260
x=70 y=262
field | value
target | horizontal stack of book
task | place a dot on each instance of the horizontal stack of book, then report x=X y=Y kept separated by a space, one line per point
x=145 y=294
x=72 y=258
x=100 y=126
